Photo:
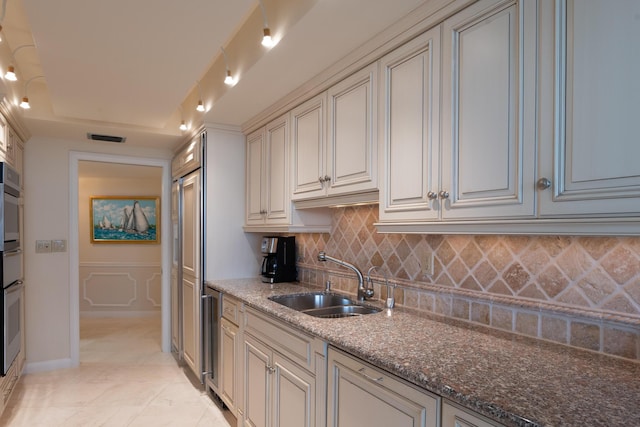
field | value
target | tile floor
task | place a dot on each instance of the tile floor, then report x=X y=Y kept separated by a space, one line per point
x=123 y=380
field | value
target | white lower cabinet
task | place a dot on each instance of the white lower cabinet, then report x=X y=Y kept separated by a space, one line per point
x=362 y=395
x=283 y=375
x=229 y=352
x=292 y=379
x=454 y=416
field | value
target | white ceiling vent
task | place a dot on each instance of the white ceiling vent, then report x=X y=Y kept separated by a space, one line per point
x=106 y=138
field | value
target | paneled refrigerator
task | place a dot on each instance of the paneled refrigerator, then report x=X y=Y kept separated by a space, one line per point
x=209 y=242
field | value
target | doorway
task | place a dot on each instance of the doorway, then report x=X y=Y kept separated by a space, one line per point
x=81 y=166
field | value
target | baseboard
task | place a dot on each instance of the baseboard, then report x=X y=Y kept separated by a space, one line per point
x=96 y=314
x=49 y=365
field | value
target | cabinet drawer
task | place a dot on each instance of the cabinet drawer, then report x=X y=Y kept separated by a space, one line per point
x=231 y=309
x=8 y=382
x=294 y=344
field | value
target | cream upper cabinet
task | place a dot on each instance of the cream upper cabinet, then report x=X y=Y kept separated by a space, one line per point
x=268 y=193
x=409 y=129
x=11 y=147
x=461 y=145
x=187 y=159
x=334 y=141
x=489 y=111
x=308 y=148
x=268 y=199
x=589 y=152
x=255 y=177
x=351 y=137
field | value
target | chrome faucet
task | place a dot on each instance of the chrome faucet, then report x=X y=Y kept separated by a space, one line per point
x=362 y=292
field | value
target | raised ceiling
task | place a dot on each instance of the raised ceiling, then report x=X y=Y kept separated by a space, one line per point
x=127 y=67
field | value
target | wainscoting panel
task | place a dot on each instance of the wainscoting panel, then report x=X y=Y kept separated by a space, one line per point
x=120 y=289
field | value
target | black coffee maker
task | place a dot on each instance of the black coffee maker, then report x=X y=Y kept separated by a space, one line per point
x=279 y=263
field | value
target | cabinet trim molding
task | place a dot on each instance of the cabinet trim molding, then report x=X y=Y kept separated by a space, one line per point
x=579 y=227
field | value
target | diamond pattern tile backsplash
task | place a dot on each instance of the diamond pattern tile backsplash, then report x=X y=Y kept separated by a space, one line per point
x=580 y=291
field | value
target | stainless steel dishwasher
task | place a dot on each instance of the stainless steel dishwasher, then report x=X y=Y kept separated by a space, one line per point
x=211 y=322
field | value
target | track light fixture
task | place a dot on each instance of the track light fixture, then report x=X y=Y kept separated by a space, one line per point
x=11 y=71
x=200 y=106
x=183 y=125
x=25 y=99
x=267 y=40
x=229 y=80
x=11 y=74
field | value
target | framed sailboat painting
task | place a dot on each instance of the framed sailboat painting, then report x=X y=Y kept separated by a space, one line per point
x=125 y=219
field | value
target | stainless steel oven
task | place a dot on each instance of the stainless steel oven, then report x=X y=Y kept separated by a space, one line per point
x=11 y=265
x=11 y=323
x=9 y=208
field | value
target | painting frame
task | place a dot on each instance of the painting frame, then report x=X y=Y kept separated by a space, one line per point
x=125 y=219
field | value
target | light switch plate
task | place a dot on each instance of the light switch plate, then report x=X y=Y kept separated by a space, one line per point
x=43 y=246
x=58 y=245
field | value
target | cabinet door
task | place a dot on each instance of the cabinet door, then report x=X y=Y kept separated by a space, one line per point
x=191 y=272
x=294 y=395
x=175 y=299
x=360 y=395
x=12 y=141
x=489 y=111
x=190 y=324
x=409 y=123
x=452 y=416
x=19 y=154
x=175 y=304
x=228 y=356
x=589 y=111
x=4 y=127
x=191 y=205
x=308 y=148
x=277 y=173
x=255 y=177
x=257 y=380
x=188 y=158
x=351 y=163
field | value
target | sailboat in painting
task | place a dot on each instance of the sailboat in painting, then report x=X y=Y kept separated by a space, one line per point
x=137 y=221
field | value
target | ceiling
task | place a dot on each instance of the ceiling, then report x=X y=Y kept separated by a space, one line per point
x=132 y=68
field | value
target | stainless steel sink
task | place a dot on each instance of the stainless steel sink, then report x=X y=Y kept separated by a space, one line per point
x=326 y=305
x=342 y=311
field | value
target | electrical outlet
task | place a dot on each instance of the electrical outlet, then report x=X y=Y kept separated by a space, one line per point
x=427 y=264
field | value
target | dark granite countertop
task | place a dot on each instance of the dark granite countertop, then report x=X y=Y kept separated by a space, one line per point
x=515 y=380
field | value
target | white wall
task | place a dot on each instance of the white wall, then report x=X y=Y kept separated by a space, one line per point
x=229 y=252
x=47 y=213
